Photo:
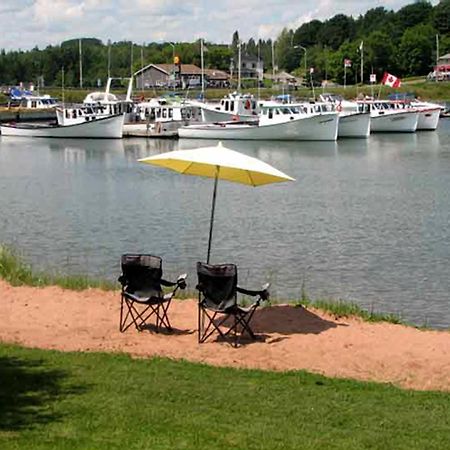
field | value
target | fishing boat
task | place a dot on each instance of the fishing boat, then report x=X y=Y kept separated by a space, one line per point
x=110 y=103
x=160 y=117
x=235 y=106
x=429 y=113
x=110 y=127
x=354 y=118
x=276 y=122
x=390 y=117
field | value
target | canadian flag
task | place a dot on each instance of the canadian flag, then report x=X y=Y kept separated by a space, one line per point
x=391 y=80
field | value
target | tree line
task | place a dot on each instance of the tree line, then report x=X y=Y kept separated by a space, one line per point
x=403 y=42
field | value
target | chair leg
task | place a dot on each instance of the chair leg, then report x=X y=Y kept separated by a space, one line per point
x=130 y=314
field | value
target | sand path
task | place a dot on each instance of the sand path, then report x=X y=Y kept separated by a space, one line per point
x=293 y=338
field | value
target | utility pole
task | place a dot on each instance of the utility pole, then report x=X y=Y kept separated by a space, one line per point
x=273 y=61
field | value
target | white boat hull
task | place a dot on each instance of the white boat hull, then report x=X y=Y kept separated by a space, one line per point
x=428 y=119
x=315 y=128
x=398 y=122
x=105 y=128
x=354 y=125
x=214 y=115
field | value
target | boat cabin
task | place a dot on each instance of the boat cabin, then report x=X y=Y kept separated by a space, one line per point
x=239 y=105
x=162 y=112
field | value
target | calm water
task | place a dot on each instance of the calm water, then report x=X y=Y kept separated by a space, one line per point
x=366 y=221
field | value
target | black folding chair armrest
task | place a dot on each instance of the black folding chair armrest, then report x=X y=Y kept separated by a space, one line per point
x=180 y=283
x=167 y=283
x=263 y=293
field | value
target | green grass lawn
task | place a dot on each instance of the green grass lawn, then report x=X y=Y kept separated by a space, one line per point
x=53 y=400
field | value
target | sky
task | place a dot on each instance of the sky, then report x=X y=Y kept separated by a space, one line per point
x=25 y=24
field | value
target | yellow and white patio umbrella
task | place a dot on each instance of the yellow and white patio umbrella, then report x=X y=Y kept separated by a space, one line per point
x=219 y=163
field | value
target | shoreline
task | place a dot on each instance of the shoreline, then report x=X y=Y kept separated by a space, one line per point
x=290 y=338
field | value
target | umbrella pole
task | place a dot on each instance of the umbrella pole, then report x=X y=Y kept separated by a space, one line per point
x=213 y=207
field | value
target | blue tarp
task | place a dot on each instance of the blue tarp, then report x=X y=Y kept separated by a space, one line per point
x=16 y=94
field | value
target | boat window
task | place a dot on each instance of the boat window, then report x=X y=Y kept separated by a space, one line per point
x=286 y=111
x=164 y=113
x=270 y=113
x=277 y=111
x=67 y=113
x=226 y=106
x=170 y=113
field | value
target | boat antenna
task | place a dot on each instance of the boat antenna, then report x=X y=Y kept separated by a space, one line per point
x=62 y=85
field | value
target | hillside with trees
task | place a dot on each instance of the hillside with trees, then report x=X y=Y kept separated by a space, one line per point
x=402 y=42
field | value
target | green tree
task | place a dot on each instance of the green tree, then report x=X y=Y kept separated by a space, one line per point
x=441 y=17
x=416 y=50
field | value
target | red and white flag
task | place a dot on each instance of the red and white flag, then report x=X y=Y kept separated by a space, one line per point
x=347 y=63
x=391 y=80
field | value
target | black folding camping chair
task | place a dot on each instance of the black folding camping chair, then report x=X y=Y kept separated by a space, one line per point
x=218 y=307
x=142 y=294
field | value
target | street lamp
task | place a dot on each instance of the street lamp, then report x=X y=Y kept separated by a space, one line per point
x=304 y=49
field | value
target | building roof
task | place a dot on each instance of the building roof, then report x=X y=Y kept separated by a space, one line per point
x=282 y=76
x=447 y=56
x=248 y=57
x=186 y=69
x=214 y=74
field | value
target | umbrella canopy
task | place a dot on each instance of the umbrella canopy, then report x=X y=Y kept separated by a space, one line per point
x=219 y=163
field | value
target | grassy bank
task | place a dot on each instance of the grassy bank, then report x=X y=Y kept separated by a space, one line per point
x=15 y=271
x=58 y=400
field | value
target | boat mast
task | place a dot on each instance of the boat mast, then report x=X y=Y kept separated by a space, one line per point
x=81 y=64
x=109 y=58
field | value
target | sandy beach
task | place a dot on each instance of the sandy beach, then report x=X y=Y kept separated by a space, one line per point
x=290 y=338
